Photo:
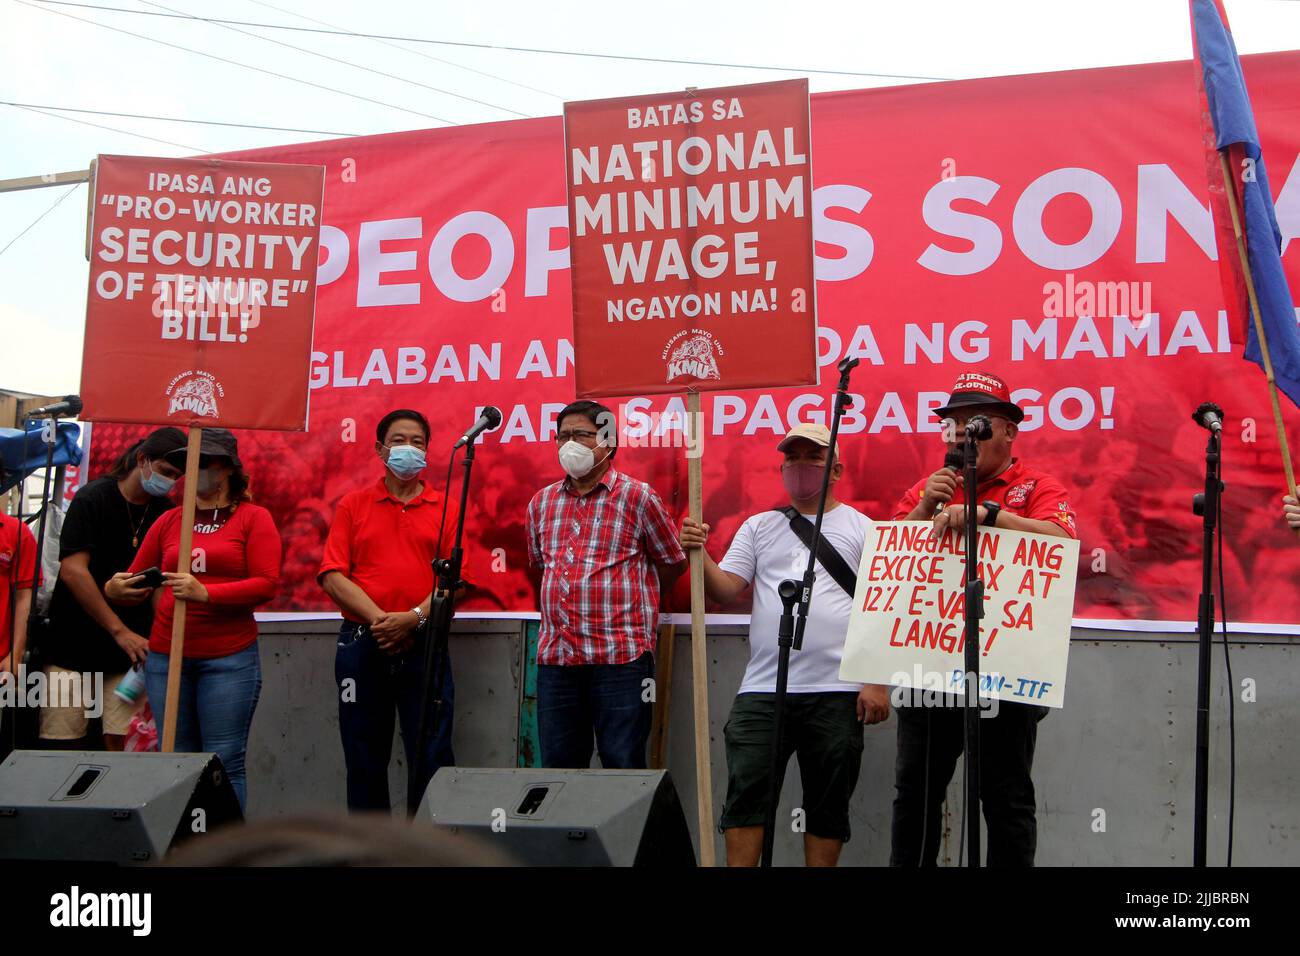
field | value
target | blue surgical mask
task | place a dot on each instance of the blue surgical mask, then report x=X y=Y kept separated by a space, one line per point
x=405 y=461
x=157 y=485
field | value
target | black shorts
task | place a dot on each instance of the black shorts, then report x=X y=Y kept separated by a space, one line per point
x=823 y=730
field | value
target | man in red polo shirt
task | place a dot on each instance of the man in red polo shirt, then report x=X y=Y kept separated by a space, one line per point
x=1012 y=495
x=378 y=568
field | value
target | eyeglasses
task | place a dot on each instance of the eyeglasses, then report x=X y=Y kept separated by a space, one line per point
x=960 y=420
x=415 y=442
x=577 y=435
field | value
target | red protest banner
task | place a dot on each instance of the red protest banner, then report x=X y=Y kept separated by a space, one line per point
x=484 y=316
x=690 y=240
x=202 y=292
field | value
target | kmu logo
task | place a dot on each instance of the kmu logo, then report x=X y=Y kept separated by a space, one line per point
x=195 y=392
x=690 y=354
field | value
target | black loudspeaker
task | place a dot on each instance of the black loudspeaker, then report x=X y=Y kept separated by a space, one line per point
x=563 y=817
x=117 y=808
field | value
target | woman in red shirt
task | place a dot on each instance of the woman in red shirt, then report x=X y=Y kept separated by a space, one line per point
x=235 y=567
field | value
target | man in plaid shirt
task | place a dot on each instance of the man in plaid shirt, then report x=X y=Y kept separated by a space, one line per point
x=601 y=540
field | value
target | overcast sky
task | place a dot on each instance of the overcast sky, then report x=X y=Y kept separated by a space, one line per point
x=51 y=59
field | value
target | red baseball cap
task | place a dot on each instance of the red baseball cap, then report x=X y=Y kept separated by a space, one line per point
x=981 y=389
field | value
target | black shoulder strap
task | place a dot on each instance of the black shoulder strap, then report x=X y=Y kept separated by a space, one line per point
x=830 y=559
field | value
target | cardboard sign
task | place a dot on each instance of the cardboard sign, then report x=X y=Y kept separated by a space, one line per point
x=908 y=626
x=690 y=240
x=202 y=292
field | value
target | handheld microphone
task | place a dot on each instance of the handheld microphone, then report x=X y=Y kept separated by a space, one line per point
x=70 y=407
x=953 y=460
x=1209 y=415
x=488 y=419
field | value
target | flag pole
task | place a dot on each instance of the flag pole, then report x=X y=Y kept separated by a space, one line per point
x=176 y=659
x=1259 y=322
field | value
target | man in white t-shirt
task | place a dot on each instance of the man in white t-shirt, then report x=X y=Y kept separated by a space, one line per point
x=824 y=716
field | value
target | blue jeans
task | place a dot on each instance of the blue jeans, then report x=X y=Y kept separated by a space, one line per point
x=383 y=686
x=217 y=700
x=575 y=700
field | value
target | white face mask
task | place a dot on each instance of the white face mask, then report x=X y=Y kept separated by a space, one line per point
x=576 y=459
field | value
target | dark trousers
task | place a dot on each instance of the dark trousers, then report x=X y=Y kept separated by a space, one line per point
x=575 y=701
x=374 y=688
x=1006 y=789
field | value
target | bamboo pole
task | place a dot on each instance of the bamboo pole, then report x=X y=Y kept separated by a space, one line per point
x=1259 y=322
x=699 y=642
x=176 y=660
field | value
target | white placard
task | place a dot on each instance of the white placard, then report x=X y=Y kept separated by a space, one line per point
x=907 y=627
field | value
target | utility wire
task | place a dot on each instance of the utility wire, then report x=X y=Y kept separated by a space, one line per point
x=172 y=119
x=420 y=53
x=332 y=59
x=114 y=129
x=39 y=218
x=513 y=49
x=213 y=56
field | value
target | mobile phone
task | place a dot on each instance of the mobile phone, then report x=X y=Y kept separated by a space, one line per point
x=153 y=578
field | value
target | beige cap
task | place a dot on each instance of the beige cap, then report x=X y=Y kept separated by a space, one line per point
x=818 y=434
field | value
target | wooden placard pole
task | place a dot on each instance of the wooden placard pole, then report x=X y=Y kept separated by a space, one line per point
x=1259 y=323
x=176 y=659
x=663 y=695
x=699 y=645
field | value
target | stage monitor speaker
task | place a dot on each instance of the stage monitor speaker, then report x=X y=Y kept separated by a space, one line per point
x=115 y=808
x=564 y=817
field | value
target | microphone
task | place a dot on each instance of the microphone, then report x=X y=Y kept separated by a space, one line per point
x=954 y=460
x=488 y=419
x=979 y=427
x=70 y=407
x=1209 y=415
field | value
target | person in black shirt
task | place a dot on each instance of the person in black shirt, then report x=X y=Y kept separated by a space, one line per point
x=105 y=523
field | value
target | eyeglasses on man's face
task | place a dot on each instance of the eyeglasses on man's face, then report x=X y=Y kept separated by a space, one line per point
x=582 y=435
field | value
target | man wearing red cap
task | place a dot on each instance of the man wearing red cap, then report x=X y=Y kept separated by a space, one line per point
x=1013 y=496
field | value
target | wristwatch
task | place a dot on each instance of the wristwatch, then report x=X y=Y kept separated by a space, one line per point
x=420 y=617
x=993 y=509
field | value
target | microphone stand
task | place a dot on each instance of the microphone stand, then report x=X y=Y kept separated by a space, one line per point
x=1207 y=506
x=436 y=631
x=785 y=642
x=977 y=429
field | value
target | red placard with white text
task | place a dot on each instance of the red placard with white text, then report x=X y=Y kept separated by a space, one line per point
x=691 y=246
x=202 y=292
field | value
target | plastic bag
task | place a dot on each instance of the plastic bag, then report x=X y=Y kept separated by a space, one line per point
x=142 y=732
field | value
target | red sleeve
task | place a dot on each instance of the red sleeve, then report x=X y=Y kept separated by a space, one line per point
x=447 y=533
x=338 y=546
x=25 y=573
x=151 y=549
x=262 y=553
x=1049 y=501
x=911 y=498
x=660 y=536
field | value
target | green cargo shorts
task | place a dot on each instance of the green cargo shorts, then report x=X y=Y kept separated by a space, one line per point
x=822 y=730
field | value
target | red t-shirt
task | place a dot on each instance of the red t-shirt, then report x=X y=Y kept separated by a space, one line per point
x=387 y=548
x=1020 y=490
x=241 y=569
x=14 y=575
